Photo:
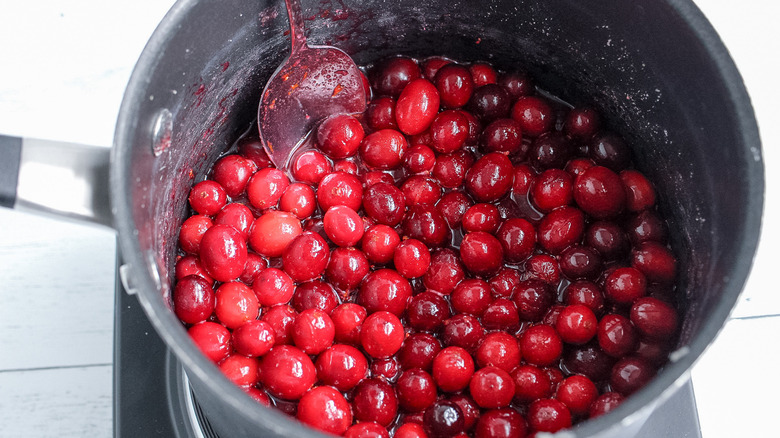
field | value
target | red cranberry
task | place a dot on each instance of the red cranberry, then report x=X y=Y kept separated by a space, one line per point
x=561 y=228
x=420 y=159
x=325 y=409
x=347 y=268
x=450 y=170
x=499 y=350
x=605 y=403
x=599 y=192
x=241 y=370
x=236 y=304
x=366 y=430
x=416 y=390
x=299 y=199
x=254 y=338
x=624 y=285
x=273 y=286
x=339 y=136
x=471 y=297
x=238 y=216
x=582 y=123
x=490 y=178
x=443 y=419
x=449 y=131
x=380 y=114
x=232 y=173
x=462 y=331
x=541 y=345
x=616 y=335
x=455 y=85
x=630 y=374
x=272 y=232
x=445 y=272
x=223 y=252
x=452 y=369
x=552 y=189
x=411 y=430
x=576 y=324
x=608 y=239
x=518 y=239
x=416 y=106
x=427 y=311
x=314 y=295
x=586 y=293
x=502 y=135
x=490 y=102
x=551 y=150
x=640 y=194
x=504 y=282
x=425 y=223
x=534 y=114
x=588 y=360
x=492 y=387
x=421 y=190
x=193 y=299
x=340 y=188
x=258 y=395
x=386 y=290
x=501 y=314
x=280 y=318
x=577 y=393
x=192 y=231
x=212 y=339
x=384 y=149
x=532 y=297
x=578 y=165
x=453 y=207
x=252 y=148
x=412 y=258
x=313 y=331
x=190 y=265
x=310 y=167
x=343 y=226
x=654 y=319
x=431 y=66
x=610 y=151
x=481 y=253
x=524 y=180
x=306 y=257
x=287 y=372
x=374 y=400
x=655 y=261
x=501 y=423
x=376 y=176
x=483 y=73
x=580 y=262
x=207 y=197
x=548 y=415
x=341 y=366
x=382 y=334
x=481 y=217
x=347 y=320
x=393 y=74
x=531 y=383
x=266 y=187
x=646 y=226
x=543 y=267
x=654 y=352
x=379 y=243
x=517 y=84
x=418 y=351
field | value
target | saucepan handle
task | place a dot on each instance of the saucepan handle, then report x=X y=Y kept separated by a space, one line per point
x=55 y=178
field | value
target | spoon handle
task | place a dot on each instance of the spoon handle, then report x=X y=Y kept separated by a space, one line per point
x=297 y=27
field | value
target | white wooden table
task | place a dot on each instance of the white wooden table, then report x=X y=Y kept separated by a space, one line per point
x=65 y=65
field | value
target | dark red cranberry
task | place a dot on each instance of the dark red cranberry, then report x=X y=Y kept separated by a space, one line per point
x=517 y=84
x=504 y=282
x=347 y=268
x=481 y=217
x=306 y=257
x=580 y=262
x=586 y=293
x=381 y=335
x=190 y=265
x=578 y=165
x=600 y=193
x=452 y=369
x=576 y=324
x=252 y=148
x=411 y=429
x=325 y=409
x=605 y=403
x=426 y=223
x=386 y=368
x=273 y=286
x=481 y=253
x=366 y=430
x=391 y=75
x=280 y=318
x=611 y=151
x=340 y=188
x=241 y=370
x=453 y=207
x=492 y=387
x=608 y=239
x=223 y=252
x=543 y=267
x=443 y=419
x=640 y=194
x=490 y=177
x=454 y=84
x=551 y=317
x=417 y=106
x=548 y=415
x=534 y=114
x=207 y=197
x=501 y=314
x=384 y=149
x=551 y=150
x=531 y=383
x=475 y=128
x=266 y=187
x=418 y=351
x=347 y=320
x=646 y=226
x=193 y=299
x=518 y=238
x=577 y=393
x=449 y=131
x=654 y=260
x=212 y=339
x=490 y=102
x=654 y=319
x=273 y=231
x=192 y=231
x=499 y=350
x=375 y=400
x=582 y=123
x=553 y=188
x=654 y=352
x=462 y=331
x=299 y=199
x=416 y=390
x=533 y=298
x=287 y=372
x=561 y=228
x=616 y=335
x=419 y=190
x=342 y=225
x=339 y=136
x=310 y=167
x=386 y=290
x=315 y=295
x=420 y=159
x=624 y=285
x=502 y=135
x=254 y=339
x=483 y=73
x=541 y=345
x=380 y=114
x=524 y=180
x=501 y=423
x=412 y=258
x=450 y=170
x=471 y=297
x=427 y=311
x=431 y=66
x=630 y=374
x=313 y=331
x=379 y=243
x=232 y=173
x=590 y=361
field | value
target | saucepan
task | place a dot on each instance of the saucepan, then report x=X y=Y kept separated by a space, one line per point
x=657 y=69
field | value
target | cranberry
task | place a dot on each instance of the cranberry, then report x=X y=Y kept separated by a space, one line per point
x=266 y=187
x=548 y=415
x=543 y=267
x=314 y=295
x=380 y=114
x=582 y=123
x=483 y=73
x=190 y=265
x=347 y=268
x=418 y=351
x=481 y=253
x=287 y=372
x=236 y=304
x=280 y=318
x=630 y=374
x=471 y=297
x=533 y=298
x=272 y=232
x=443 y=419
x=298 y=199
x=416 y=390
x=616 y=335
x=502 y=135
x=193 y=299
x=412 y=258
x=501 y=423
x=576 y=324
x=455 y=85
x=462 y=331
x=427 y=311
x=608 y=239
x=604 y=404
x=273 y=286
x=654 y=352
x=654 y=319
x=366 y=430
x=432 y=65
x=382 y=334
x=517 y=84
x=490 y=178
x=655 y=261
x=452 y=369
x=501 y=314
x=379 y=243
x=531 y=383
x=425 y=223
x=343 y=226
x=313 y=331
x=421 y=190
x=640 y=194
x=624 y=285
x=524 y=180
x=374 y=400
x=341 y=366
x=490 y=102
x=577 y=393
x=541 y=345
x=561 y=228
x=449 y=131
x=207 y=198
x=503 y=283
x=586 y=293
x=392 y=75
x=599 y=192
x=258 y=395
x=252 y=148
x=420 y=159
x=232 y=172
x=241 y=370
x=499 y=350
x=492 y=387
x=339 y=136
x=552 y=189
x=386 y=290
x=254 y=338
x=325 y=409
x=384 y=149
x=580 y=262
x=416 y=106
x=453 y=207
x=411 y=430
x=212 y=339
x=551 y=150
x=578 y=165
x=223 y=252
x=310 y=167
x=192 y=231
x=445 y=271
x=450 y=170
x=610 y=151
x=588 y=360
x=340 y=188
x=238 y=216
x=481 y=217
x=518 y=239
x=534 y=114
x=646 y=226
x=347 y=320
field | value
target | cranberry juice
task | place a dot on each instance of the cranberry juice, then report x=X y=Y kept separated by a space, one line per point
x=470 y=257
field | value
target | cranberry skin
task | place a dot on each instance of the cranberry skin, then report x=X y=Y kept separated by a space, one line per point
x=384 y=149
x=272 y=232
x=310 y=167
x=343 y=226
x=232 y=173
x=340 y=188
x=455 y=85
x=608 y=239
x=499 y=350
x=450 y=170
x=483 y=73
x=452 y=369
x=481 y=253
x=640 y=194
x=238 y=216
x=313 y=331
x=534 y=115
x=654 y=319
x=541 y=345
x=207 y=197
x=462 y=331
x=280 y=318
x=212 y=339
x=236 y=304
x=449 y=131
x=299 y=199
x=616 y=335
x=531 y=383
x=347 y=320
x=421 y=190
x=384 y=203
x=524 y=180
x=266 y=187
x=624 y=285
x=347 y=268
x=599 y=192
x=501 y=314
x=416 y=107
x=287 y=372
x=518 y=239
x=517 y=84
x=392 y=75
x=427 y=311
x=576 y=324
x=551 y=150
x=273 y=286
x=325 y=409
x=533 y=298
x=580 y=262
x=432 y=65
x=412 y=258
x=341 y=366
x=241 y=370
x=453 y=207
x=582 y=123
x=490 y=177
x=366 y=430
x=339 y=136
x=193 y=299
x=420 y=159
x=411 y=430
x=543 y=267
x=610 y=150
x=418 y=351
x=306 y=257
x=578 y=165
x=375 y=400
x=416 y=390
x=561 y=228
x=258 y=395
x=381 y=335
x=425 y=223
x=445 y=272
x=384 y=290
x=380 y=114
x=481 y=217
x=552 y=189
x=504 y=282
x=314 y=295
x=588 y=360
x=502 y=135
x=654 y=260
x=223 y=252
x=490 y=102
x=379 y=243
x=577 y=393
x=604 y=404
x=586 y=293
x=644 y=226
x=492 y=387
x=630 y=374
x=443 y=419
x=548 y=415
x=254 y=338
x=192 y=231
x=501 y=423
x=190 y=265
x=252 y=148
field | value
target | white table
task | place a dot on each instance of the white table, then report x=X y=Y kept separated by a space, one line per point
x=65 y=65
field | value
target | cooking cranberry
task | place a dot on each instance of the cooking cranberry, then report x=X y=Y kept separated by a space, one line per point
x=640 y=194
x=241 y=370
x=340 y=188
x=273 y=286
x=393 y=74
x=481 y=253
x=578 y=165
x=254 y=338
x=212 y=339
x=552 y=189
x=381 y=334
x=551 y=150
x=518 y=238
x=616 y=335
x=450 y=170
x=492 y=387
x=384 y=290
x=502 y=135
x=561 y=228
x=238 y=216
x=534 y=114
x=343 y=226
x=190 y=265
x=449 y=131
x=280 y=318
x=532 y=297
x=416 y=106
x=543 y=267
x=452 y=369
x=624 y=285
x=453 y=206
x=490 y=102
x=339 y=136
x=207 y=197
x=252 y=148
x=366 y=430
x=416 y=390
x=411 y=430
x=411 y=258
x=481 y=217
x=287 y=372
x=541 y=345
x=599 y=192
x=236 y=304
x=341 y=366
x=462 y=331
x=445 y=271
x=425 y=223
x=431 y=66
x=580 y=262
x=655 y=261
x=443 y=419
x=548 y=415
x=272 y=232
x=608 y=239
x=427 y=311
x=232 y=173
x=576 y=324
x=420 y=159
x=325 y=409
x=418 y=351
x=310 y=167
x=345 y=165
x=266 y=187
x=499 y=350
x=383 y=149
x=588 y=360
x=582 y=123
x=646 y=226
x=551 y=317
x=654 y=319
x=223 y=252
x=501 y=423
x=374 y=400
x=386 y=368
x=610 y=151
x=314 y=295
x=604 y=404
x=517 y=84
x=455 y=85
x=501 y=314
x=376 y=176
x=379 y=243
x=630 y=374
x=193 y=299
x=306 y=257
x=471 y=297
x=577 y=393
x=347 y=319
x=490 y=178
x=313 y=331
x=531 y=383
x=504 y=282
x=347 y=268
x=258 y=395
x=586 y=293
x=483 y=73
x=192 y=231
x=654 y=352
x=524 y=180
x=298 y=199
x=419 y=189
